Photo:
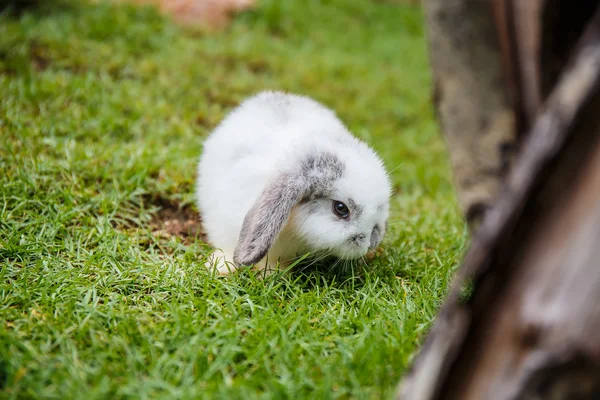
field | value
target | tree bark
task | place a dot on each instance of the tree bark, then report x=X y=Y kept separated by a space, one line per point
x=473 y=108
x=523 y=317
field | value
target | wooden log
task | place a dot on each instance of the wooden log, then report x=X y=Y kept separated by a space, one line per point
x=528 y=327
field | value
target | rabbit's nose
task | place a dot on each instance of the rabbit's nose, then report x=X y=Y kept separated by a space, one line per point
x=358 y=238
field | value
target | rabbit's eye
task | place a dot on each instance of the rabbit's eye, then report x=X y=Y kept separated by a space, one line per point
x=340 y=209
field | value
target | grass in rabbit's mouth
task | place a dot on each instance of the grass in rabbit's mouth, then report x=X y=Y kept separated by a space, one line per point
x=102 y=114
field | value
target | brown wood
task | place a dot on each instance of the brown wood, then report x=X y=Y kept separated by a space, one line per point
x=519 y=31
x=529 y=325
x=527 y=17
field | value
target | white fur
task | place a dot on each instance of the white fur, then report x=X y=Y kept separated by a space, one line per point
x=269 y=134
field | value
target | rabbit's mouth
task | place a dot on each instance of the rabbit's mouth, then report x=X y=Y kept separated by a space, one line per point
x=353 y=249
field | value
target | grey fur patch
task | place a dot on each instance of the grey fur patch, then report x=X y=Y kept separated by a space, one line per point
x=269 y=214
x=319 y=170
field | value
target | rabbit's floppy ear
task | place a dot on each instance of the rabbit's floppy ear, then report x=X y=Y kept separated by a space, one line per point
x=269 y=214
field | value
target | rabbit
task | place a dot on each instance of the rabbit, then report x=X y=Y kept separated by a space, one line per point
x=282 y=177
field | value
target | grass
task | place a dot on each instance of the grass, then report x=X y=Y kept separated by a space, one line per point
x=102 y=114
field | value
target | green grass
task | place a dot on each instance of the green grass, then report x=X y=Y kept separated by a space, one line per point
x=102 y=112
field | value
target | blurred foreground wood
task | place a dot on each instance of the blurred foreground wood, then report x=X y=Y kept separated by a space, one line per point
x=517 y=92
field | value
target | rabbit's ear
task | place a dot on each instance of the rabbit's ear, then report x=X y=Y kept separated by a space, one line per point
x=267 y=217
x=269 y=214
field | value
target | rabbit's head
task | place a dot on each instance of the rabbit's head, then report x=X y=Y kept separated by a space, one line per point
x=334 y=202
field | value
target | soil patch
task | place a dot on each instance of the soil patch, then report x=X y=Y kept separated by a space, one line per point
x=174 y=219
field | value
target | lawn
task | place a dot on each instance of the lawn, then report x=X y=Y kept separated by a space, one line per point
x=103 y=293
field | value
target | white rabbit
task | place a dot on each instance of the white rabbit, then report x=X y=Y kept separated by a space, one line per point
x=281 y=177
